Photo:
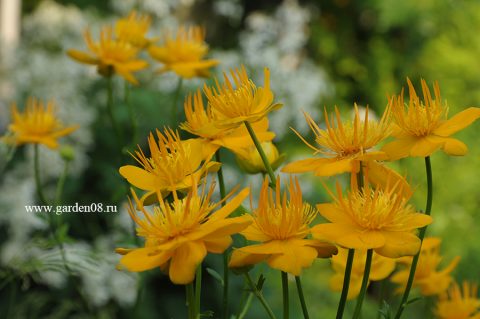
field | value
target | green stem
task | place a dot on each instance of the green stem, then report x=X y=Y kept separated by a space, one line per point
x=346 y=284
x=36 y=168
x=61 y=184
x=198 y=289
x=175 y=102
x=302 y=298
x=246 y=307
x=8 y=158
x=382 y=296
x=413 y=267
x=285 y=295
x=363 y=289
x=190 y=294
x=259 y=295
x=258 y=145
x=110 y=107
x=221 y=185
x=131 y=114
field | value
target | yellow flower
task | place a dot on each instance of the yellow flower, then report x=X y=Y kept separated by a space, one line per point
x=430 y=280
x=133 y=29
x=459 y=305
x=173 y=165
x=342 y=144
x=249 y=160
x=282 y=227
x=179 y=235
x=377 y=219
x=110 y=55
x=184 y=53
x=37 y=124
x=423 y=127
x=381 y=268
x=246 y=102
x=201 y=122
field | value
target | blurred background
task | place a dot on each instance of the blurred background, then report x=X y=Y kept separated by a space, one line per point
x=321 y=54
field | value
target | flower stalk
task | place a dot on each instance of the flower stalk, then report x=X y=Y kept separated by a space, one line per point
x=302 y=298
x=346 y=284
x=428 y=209
x=259 y=295
x=363 y=289
x=258 y=145
x=285 y=295
x=110 y=107
x=175 y=101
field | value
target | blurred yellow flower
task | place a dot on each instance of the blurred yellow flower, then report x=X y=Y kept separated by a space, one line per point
x=249 y=160
x=423 y=127
x=110 y=55
x=201 y=122
x=378 y=219
x=381 y=268
x=179 y=235
x=282 y=227
x=246 y=102
x=38 y=124
x=184 y=53
x=428 y=277
x=133 y=29
x=173 y=165
x=344 y=145
x=457 y=304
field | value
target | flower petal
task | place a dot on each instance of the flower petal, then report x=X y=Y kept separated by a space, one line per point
x=455 y=147
x=458 y=122
x=324 y=250
x=142 y=259
x=306 y=165
x=333 y=214
x=185 y=261
x=348 y=236
x=411 y=221
x=336 y=284
x=380 y=175
x=138 y=177
x=240 y=259
x=427 y=145
x=382 y=267
x=334 y=167
x=399 y=148
x=398 y=244
x=217 y=245
x=294 y=257
x=82 y=57
x=231 y=205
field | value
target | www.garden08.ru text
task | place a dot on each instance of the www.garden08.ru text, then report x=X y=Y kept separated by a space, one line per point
x=60 y=209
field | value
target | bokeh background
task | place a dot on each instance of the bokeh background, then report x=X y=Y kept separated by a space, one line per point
x=321 y=54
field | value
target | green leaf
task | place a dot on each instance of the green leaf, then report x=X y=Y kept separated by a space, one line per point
x=215 y=275
x=385 y=310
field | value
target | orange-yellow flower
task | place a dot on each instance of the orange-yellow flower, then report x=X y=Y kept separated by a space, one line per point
x=457 y=304
x=133 y=29
x=282 y=226
x=110 y=55
x=342 y=144
x=423 y=127
x=249 y=160
x=201 y=122
x=428 y=277
x=381 y=268
x=37 y=124
x=244 y=103
x=173 y=165
x=184 y=53
x=179 y=235
x=378 y=219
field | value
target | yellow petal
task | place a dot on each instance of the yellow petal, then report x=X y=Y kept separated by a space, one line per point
x=217 y=245
x=336 y=284
x=334 y=167
x=240 y=259
x=380 y=175
x=293 y=258
x=82 y=57
x=185 y=261
x=139 y=177
x=411 y=222
x=399 y=148
x=142 y=259
x=252 y=232
x=305 y=165
x=333 y=213
x=382 y=267
x=271 y=247
x=454 y=147
x=398 y=244
x=223 y=227
x=427 y=145
x=324 y=250
x=458 y=122
x=348 y=236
